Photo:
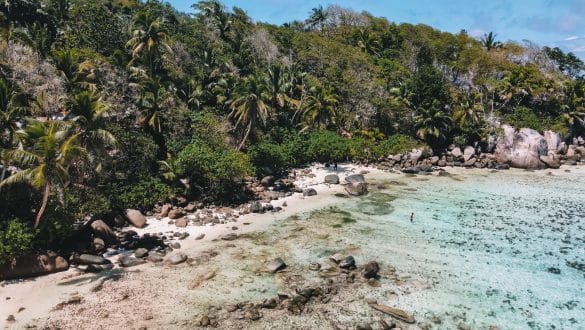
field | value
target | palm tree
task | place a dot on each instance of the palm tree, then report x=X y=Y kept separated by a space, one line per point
x=320 y=107
x=153 y=95
x=89 y=112
x=51 y=148
x=249 y=105
x=216 y=14
x=489 y=41
x=318 y=17
x=149 y=41
x=468 y=110
x=368 y=41
x=433 y=124
x=11 y=110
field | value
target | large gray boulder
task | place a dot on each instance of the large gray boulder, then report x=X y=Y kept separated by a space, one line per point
x=414 y=155
x=553 y=141
x=356 y=188
x=135 y=218
x=521 y=149
x=355 y=178
x=102 y=230
x=32 y=265
x=468 y=152
x=332 y=179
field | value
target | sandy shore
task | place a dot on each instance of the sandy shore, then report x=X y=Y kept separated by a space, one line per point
x=33 y=302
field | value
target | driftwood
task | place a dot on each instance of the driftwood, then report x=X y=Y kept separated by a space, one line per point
x=394 y=312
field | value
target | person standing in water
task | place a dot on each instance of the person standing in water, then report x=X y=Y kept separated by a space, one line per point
x=411 y=216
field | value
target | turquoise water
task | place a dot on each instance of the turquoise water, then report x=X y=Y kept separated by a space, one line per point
x=480 y=246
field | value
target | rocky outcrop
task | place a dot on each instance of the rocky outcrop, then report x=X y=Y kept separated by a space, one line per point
x=33 y=265
x=521 y=149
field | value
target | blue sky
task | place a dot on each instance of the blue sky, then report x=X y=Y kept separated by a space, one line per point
x=546 y=22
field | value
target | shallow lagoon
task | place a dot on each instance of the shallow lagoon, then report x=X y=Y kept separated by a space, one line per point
x=484 y=248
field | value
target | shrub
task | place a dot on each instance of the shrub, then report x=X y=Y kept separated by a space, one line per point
x=396 y=144
x=142 y=194
x=525 y=117
x=327 y=146
x=213 y=170
x=15 y=239
x=269 y=157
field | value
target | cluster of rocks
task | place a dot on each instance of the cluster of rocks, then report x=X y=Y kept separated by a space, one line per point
x=524 y=148
x=338 y=273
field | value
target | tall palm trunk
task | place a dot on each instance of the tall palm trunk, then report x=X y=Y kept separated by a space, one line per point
x=43 y=205
x=243 y=142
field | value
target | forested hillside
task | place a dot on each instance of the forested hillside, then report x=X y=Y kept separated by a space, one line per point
x=108 y=105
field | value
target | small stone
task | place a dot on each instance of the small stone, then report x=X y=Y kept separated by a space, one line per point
x=275 y=265
x=175 y=245
x=11 y=318
x=231 y=308
x=337 y=258
x=314 y=266
x=229 y=237
x=347 y=263
x=309 y=192
x=371 y=270
x=364 y=326
x=154 y=257
x=181 y=223
x=204 y=321
x=253 y=314
x=176 y=259
x=199 y=237
x=141 y=253
x=554 y=270
x=126 y=261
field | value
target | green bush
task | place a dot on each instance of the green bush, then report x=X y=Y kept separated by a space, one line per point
x=525 y=117
x=396 y=144
x=213 y=170
x=143 y=194
x=327 y=146
x=15 y=239
x=269 y=155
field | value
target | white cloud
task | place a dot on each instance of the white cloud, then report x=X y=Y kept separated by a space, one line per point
x=571 y=38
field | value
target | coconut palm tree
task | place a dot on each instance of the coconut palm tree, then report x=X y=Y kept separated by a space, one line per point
x=11 y=111
x=250 y=105
x=50 y=148
x=89 y=112
x=468 y=110
x=489 y=41
x=320 y=107
x=433 y=124
x=317 y=18
x=149 y=41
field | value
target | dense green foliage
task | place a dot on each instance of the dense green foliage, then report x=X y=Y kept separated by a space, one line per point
x=106 y=105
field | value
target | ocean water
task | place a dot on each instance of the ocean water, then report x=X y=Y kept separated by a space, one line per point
x=484 y=248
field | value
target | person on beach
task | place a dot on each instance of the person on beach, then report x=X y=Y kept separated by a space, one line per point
x=411 y=216
x=335 y=166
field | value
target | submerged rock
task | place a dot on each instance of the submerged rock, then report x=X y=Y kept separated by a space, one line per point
x=357 y=188
x=275 y=265
x=347 y=263
x=371 y=270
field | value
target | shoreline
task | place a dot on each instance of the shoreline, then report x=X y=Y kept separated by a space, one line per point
x=61 y=287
